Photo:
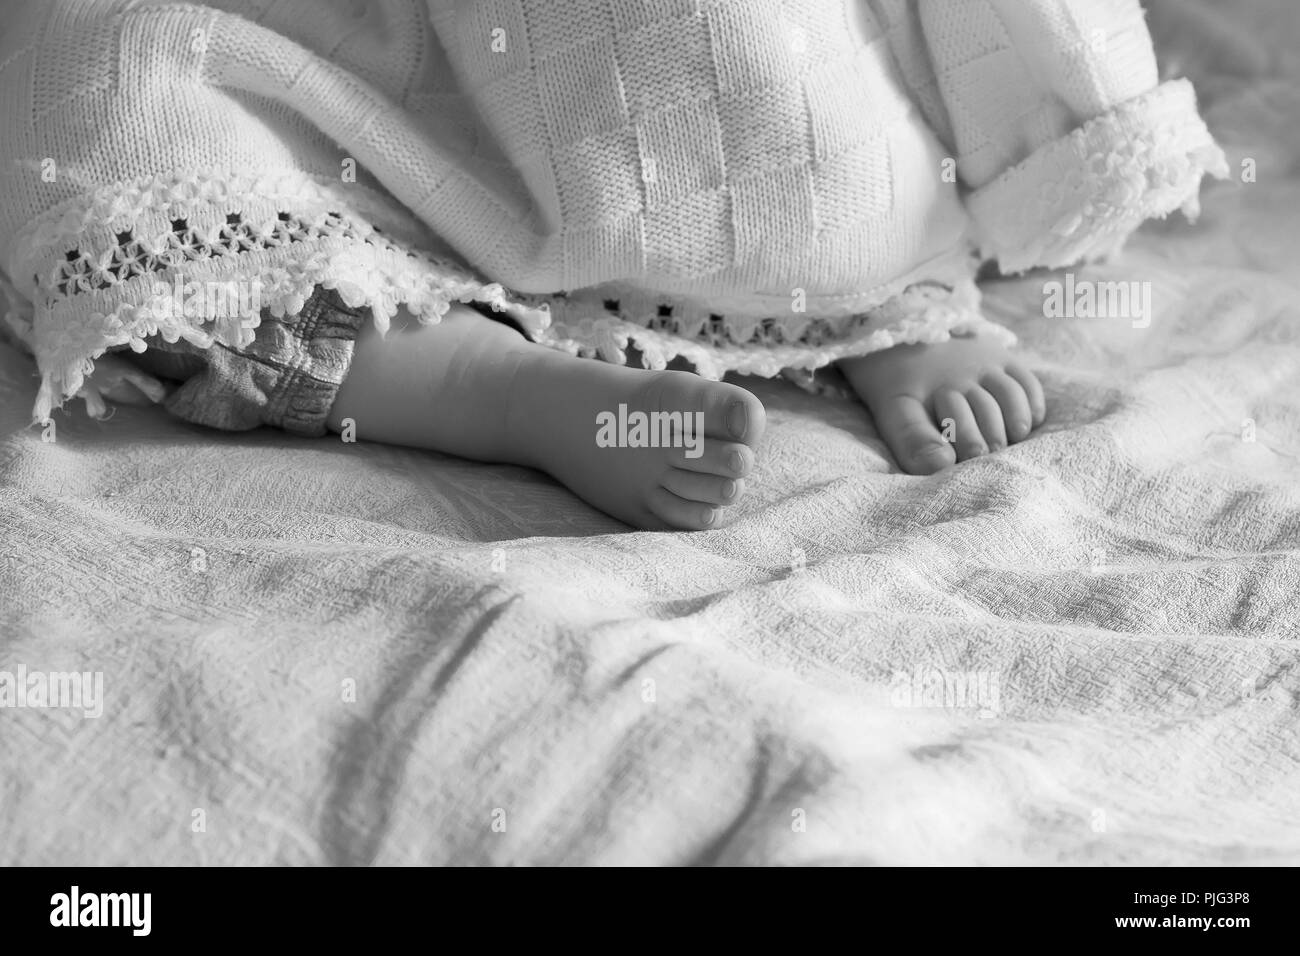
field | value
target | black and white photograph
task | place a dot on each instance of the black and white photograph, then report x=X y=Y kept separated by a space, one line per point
x=651 y=433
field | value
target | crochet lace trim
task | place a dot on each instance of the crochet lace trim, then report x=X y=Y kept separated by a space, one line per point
x=363 y=275
x=124 y=263
x=716 y=344
x=928 y=304
x=1080 y=197
x=132 y=255
x=150 y=205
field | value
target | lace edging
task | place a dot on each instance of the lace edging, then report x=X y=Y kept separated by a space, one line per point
x=1080 y=197
x=68 y=342
x=919 y=315
x=949 y=268
x=63 y=225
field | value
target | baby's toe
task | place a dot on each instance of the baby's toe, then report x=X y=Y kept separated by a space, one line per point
x=730 y=412
x=726 y=458
x=677 y=512
x=988 y=416
x=1013 y=402
x=910 y=434
x=955 y=414
x=706 y=489
x=1033 y=390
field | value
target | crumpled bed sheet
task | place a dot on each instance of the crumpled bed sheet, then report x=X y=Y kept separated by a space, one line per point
x=317 y=652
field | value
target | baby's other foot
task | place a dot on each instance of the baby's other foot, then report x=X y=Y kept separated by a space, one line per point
x=658 y=450
x=938 y=404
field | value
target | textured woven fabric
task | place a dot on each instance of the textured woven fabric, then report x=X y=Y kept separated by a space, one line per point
x=775 y=183
x=532 y=683
x=287 y=377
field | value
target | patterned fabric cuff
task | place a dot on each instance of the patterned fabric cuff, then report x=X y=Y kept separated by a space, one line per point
x=287 y=377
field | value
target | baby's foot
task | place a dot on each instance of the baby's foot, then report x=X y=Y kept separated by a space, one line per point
x=601 y=430
x=967 y=390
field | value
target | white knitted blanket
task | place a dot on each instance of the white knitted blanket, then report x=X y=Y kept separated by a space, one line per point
x=753 y=185
x=318 y=652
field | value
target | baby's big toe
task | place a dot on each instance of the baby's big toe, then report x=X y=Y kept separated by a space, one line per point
x=922 y=456
x=906 y=427
x=729 y=411
x=735 y=413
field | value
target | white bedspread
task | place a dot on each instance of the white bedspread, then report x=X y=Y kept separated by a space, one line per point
x=533 y=683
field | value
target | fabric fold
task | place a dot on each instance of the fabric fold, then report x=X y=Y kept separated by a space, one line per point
x=1078 y=198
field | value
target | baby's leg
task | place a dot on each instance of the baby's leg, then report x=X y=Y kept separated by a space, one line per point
x=473 y=387
x=937 y=404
